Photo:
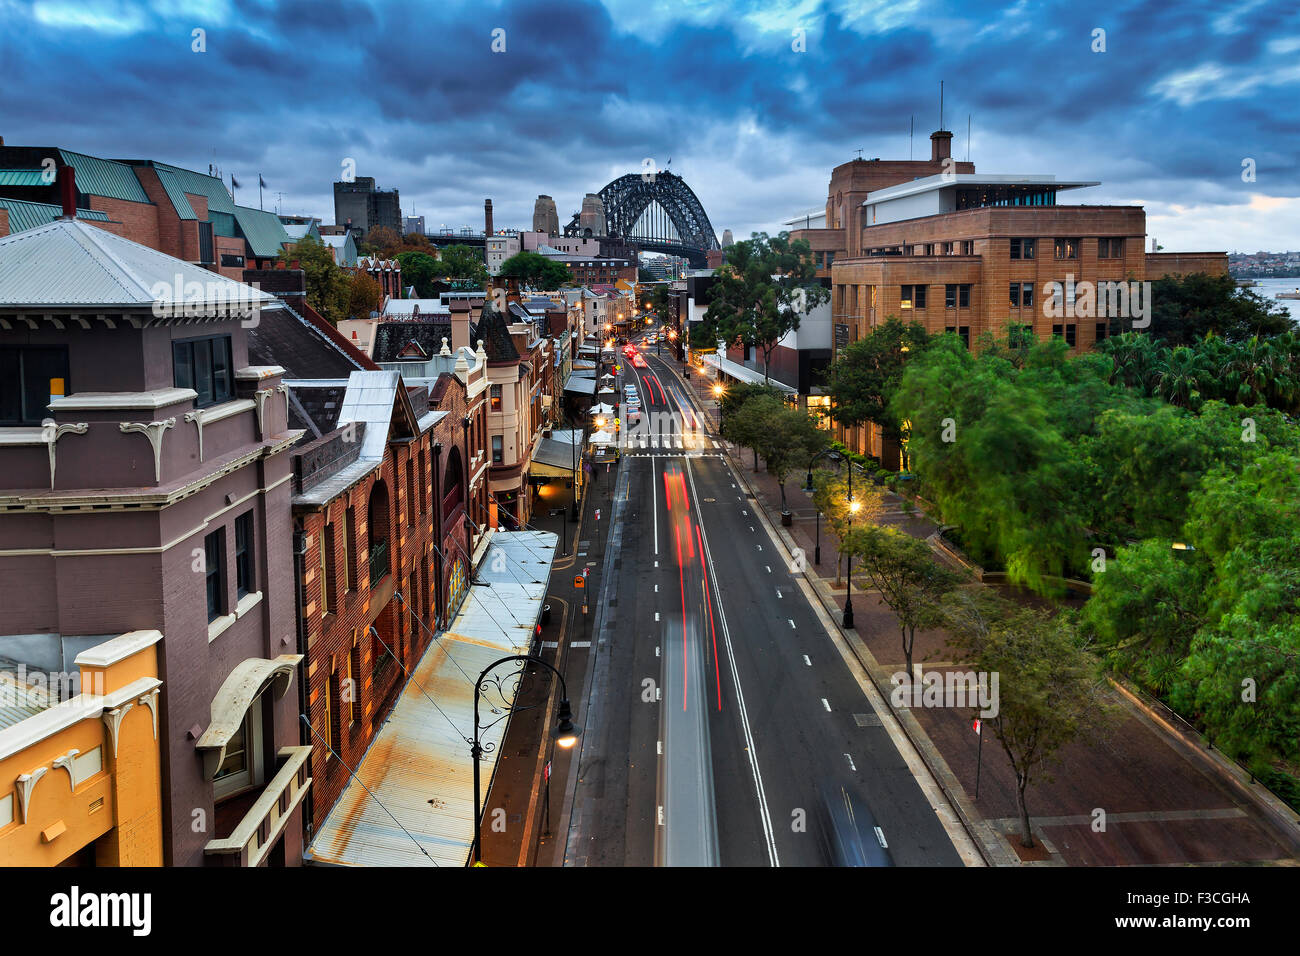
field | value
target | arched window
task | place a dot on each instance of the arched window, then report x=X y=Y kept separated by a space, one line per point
x=377 y=529
x=453 y=484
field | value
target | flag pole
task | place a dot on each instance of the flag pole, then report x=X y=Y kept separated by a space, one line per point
x=259 y=188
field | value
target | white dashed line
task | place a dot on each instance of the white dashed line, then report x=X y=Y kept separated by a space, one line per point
x=656 y=615
x=805 y=659
x=778 y=594
x=656 y=650
x=827 y=704
x=659 y=748
x=661 y=816
x=791 y=620
x=769 y=568
x=656 y=589
x=852 y=766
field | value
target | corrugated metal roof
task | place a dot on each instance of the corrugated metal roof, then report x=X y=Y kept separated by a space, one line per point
x=68 y=263
x=418 y=769
x=263 y=230
x=175 y=193
x=369 y=399
x=25 y=215
x=223 y=223
x=201 y=184
x=103 y=177
x=23 y=177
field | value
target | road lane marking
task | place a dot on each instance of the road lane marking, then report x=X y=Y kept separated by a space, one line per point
x=751 y=749
x=827 y=704
x=852 y=766
x=769 y=568
x=656 y=589
x=654 y=477
x=661 y=815
x=659 y=747
x=806 y=661
x=581 y=644
x=656 y=615
x=791 y=620
x=759 y=546
x=778 y=594
x=656 y=650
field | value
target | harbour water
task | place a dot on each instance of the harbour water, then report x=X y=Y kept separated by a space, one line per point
x=1267 y=288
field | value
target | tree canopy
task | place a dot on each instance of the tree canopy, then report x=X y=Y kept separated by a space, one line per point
x=759 y=294
x=535 y=270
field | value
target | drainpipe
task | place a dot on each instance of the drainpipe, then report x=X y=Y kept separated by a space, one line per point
x=300 y=598
x=438 y=596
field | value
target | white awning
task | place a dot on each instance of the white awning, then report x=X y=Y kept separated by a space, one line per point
x=740 y=372
x=418 y=769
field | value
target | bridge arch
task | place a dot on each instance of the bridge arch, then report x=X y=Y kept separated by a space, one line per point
x=627 y=198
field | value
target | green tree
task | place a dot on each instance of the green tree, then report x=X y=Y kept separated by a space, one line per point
x=863 y=380
x=904 y=570
x=1049 y=687
x=747 y=425
x=365 y=296
x=759 y=293
x=462 y=264
x=328 y=287
x=535 y=270
x=1186 y=308
x=421 y=270
x=789 y=443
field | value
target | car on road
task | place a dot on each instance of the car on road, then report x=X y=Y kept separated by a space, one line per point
x=850 y=835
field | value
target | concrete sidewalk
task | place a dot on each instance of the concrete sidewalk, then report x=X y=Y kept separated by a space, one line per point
x=1160 y=800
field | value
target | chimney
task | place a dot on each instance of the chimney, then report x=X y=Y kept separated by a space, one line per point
x=67 y=179
x=487 y=217
x=459 y=323
x=940 y=145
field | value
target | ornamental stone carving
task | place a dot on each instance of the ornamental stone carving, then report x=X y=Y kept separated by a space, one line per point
x=154 y=432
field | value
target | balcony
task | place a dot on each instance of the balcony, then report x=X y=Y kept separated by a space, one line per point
x=378 y=562
x=256 y=833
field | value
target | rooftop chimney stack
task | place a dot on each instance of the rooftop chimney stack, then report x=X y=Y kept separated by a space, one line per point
x=940 y=145
x=487 y=217
x=67 y=178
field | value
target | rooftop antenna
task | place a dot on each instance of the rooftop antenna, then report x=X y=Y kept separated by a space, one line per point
x=859 y=154
x=968 y=137
x=911 y=131
x=941 y=104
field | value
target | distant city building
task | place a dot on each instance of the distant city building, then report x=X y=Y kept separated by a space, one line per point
x=545 y=218
x=726 y=238
x=362 y=206
x=591 y=220
x=413 y=225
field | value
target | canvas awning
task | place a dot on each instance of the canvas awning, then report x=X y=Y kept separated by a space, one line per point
x=240 y=688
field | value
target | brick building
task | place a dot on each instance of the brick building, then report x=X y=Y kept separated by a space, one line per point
x=146 y=489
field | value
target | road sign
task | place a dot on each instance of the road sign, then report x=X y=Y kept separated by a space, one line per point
x=579 y=581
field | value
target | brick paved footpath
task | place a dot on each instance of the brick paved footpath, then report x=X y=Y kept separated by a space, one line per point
x=1166 y=800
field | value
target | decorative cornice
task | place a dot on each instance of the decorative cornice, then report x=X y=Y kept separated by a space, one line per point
x=154 y=432
x=206 y=416
x=150 y=700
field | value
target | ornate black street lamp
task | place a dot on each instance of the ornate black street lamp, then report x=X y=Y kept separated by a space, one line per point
x=505 y=688
x=809 y=489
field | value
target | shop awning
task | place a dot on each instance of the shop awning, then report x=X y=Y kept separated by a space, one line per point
x=411 y=802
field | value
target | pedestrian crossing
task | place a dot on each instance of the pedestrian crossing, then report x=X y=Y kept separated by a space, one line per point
x=687 y=442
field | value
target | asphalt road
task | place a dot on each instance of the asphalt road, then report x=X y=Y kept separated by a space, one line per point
x=724 y=705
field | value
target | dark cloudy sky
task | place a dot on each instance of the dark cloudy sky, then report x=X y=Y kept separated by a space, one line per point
x=586 y=90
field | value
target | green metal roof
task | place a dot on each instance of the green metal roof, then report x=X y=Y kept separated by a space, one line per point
x=23 y=177
x=201 y=184
x=25 y=215
x=223 y=224
x=103 y=177
x=175 y=193
x=263 y=230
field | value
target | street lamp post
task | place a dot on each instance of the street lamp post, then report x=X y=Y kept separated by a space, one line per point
x=848 y=580
x=718 y=392
x=836 y=456
x=566 y=732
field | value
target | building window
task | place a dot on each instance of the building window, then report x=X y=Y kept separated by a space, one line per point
x=495 y=395
x=950 y=296
x=830 y=257
x=229 y=261
x=1101 y=331
x=331 y=713
x=1065 y=331
x=956 y=296
x=1067 y=248
x=354 y=675
x=205 y=366
x=328 y=594
x=31 y=378
x=410 y=491
x=422 y=493
x=1110 y=248
x=1015 y=295
x=912 y=297
x=968 y=247
x=244 y=582
x=1022 y=248
x=498 y=454
x=214 y=566
x=1026 y=294
x=349 y=549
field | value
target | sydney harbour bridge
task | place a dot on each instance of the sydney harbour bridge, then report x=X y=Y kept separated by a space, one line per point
x=656 y=212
